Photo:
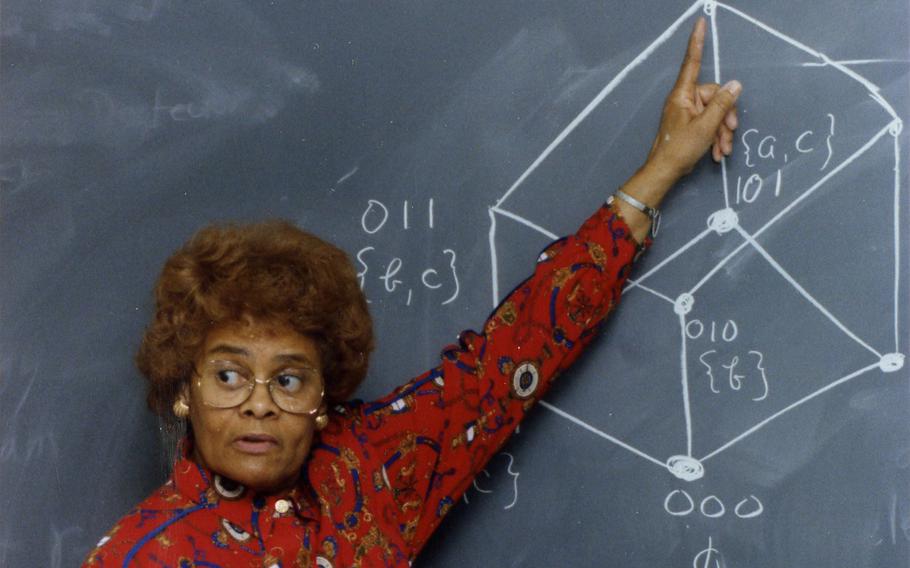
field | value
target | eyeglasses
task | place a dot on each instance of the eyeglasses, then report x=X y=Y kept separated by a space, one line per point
x=225 y=384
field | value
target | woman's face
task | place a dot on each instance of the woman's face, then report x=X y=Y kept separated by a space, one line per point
x=256 y=444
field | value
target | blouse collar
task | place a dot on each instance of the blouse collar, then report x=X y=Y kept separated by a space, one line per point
x=232 y=500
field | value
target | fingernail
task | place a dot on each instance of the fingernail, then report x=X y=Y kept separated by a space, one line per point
x=734 y=87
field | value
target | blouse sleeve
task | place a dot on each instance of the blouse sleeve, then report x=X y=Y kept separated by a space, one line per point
x=433 y=435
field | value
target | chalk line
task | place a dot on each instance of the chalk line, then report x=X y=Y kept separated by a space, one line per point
x=825 y=178
x=897 y=241
x=493 y=261
x=719 y=265
x=715 y=43
x=601 y=433
x=662 y=263
x=862 y=150
x=493 y=211
x=598 y=99
x=687 y=405
x=651 y=291
x=869 y=85
x=853 y=62
x=774 y=32
x=525 y=222
x=803 y=292
x=786 y=409
x=345 y=177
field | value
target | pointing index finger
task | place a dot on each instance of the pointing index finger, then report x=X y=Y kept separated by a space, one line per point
x=691 y=65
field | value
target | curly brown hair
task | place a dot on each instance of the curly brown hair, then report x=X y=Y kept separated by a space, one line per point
x=269 y=271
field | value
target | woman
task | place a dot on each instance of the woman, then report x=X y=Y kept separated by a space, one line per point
x=261 y=333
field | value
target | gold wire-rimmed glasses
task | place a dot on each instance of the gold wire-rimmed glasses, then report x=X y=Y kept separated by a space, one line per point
x=298 y=389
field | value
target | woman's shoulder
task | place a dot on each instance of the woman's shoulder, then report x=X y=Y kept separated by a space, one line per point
x=144 y=522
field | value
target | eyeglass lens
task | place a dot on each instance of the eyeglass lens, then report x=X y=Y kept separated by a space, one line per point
x=223 y=384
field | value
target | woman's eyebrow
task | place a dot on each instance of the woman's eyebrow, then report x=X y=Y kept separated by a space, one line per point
x=225 y=348
x=293 y=358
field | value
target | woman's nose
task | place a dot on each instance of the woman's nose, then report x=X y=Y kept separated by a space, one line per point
x=260 y=403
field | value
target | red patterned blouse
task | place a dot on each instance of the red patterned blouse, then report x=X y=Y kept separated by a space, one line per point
x=382 y=475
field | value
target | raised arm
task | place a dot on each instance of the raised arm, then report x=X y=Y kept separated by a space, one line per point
x=695 y=118
x=430 y=438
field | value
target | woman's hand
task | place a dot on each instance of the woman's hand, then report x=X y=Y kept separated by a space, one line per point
x=695 y=117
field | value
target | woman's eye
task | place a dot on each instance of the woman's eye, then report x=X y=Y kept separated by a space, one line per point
x=230 y=378
x=289 y=383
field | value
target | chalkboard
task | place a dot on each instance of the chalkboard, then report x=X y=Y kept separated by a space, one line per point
x=746 y=406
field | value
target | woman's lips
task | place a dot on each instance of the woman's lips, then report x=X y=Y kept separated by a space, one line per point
x=254 y=443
